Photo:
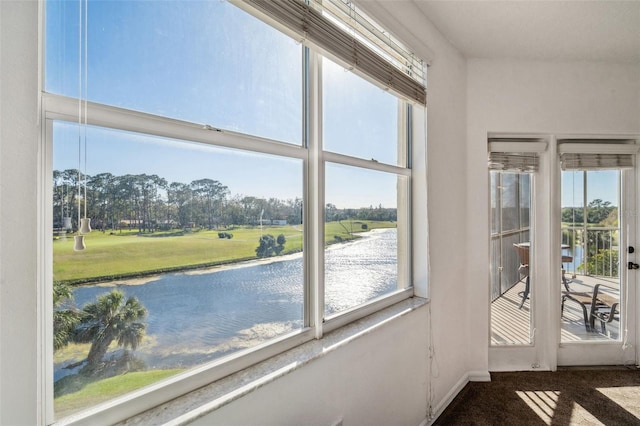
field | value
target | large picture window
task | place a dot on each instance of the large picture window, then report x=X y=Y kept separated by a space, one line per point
x=185 y=136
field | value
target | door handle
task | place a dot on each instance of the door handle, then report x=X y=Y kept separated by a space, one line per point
x=632 y=265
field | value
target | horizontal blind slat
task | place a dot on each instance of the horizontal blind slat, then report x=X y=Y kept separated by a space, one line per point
x=318 y=30
x=578 y=161
x=514 y=162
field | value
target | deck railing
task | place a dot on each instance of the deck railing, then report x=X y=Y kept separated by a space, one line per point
x=505 y=262
x=595 y=250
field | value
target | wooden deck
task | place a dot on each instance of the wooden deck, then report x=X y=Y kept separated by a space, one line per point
x=511 y=326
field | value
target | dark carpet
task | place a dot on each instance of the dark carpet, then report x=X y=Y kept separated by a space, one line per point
x=586 y=396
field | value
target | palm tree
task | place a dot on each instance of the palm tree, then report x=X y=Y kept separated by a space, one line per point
x=111 y=318
x=64 y=320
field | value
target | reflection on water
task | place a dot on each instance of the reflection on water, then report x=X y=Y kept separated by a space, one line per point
x=360 y=271
x=194 y=318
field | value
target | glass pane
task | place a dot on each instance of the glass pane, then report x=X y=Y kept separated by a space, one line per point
x=201 y=61
x=495 y=201
x=207 y=241
x=364 y=232
x=591 y=255
x=359 y=118
x=511 y=317
x=510 y=202
x=525 y=200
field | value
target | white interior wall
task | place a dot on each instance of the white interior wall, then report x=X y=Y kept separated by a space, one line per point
x=540 y=98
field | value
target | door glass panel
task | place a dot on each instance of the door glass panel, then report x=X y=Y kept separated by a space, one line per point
x=510 y=246
x=591 y=255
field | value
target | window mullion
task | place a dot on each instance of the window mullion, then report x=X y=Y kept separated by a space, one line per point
x=403 y=200
x=315 y=196
x=45 y=272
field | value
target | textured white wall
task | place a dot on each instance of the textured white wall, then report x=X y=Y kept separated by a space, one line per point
x=553 y=97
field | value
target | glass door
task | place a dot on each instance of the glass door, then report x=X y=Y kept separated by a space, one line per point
x=510 y=282
x=516 y=280
x=596 y=298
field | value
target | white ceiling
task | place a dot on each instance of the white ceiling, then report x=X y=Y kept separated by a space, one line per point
x=592 y=30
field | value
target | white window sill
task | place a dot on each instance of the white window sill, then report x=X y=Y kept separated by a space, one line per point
x=203 y=401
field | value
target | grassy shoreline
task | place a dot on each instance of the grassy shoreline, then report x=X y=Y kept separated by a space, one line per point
x=130 y=255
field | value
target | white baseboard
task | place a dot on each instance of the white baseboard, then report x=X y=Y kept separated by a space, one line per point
x=479 y=376
x=469 y=376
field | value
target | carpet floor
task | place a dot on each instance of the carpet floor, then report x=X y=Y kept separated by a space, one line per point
x=588 y=396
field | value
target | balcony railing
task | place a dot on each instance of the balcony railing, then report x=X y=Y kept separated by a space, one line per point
x=505 y=262
x=595 y=250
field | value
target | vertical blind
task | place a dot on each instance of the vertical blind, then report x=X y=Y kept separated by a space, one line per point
x=339 y=30
x=597 y=154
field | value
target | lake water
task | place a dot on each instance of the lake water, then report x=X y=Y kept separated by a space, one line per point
x=196 y=317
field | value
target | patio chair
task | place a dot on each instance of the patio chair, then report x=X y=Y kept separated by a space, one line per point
x=601 y=306
x=605 y=310
x=583 y=299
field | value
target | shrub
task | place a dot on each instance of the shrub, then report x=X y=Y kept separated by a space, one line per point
x=270 y=246
x=604 y=263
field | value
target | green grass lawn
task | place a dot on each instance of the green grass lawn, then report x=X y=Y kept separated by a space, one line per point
x=95 y=392
x=129 y=254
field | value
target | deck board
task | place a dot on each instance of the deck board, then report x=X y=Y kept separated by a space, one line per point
x=511 y=325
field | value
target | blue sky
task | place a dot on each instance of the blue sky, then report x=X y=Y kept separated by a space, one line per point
x=600 y=184
x=211 y=63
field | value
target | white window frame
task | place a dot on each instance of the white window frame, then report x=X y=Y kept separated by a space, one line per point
x=57 y=107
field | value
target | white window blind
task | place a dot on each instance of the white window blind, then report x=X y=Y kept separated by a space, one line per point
x=515 y=155
x=342 y=32
x=597 y=155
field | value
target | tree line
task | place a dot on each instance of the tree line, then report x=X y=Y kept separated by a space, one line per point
x=598 y=212
x=149 y=203
x=600 y=245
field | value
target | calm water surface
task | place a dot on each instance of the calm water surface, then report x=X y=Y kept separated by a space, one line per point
x=197 y=317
